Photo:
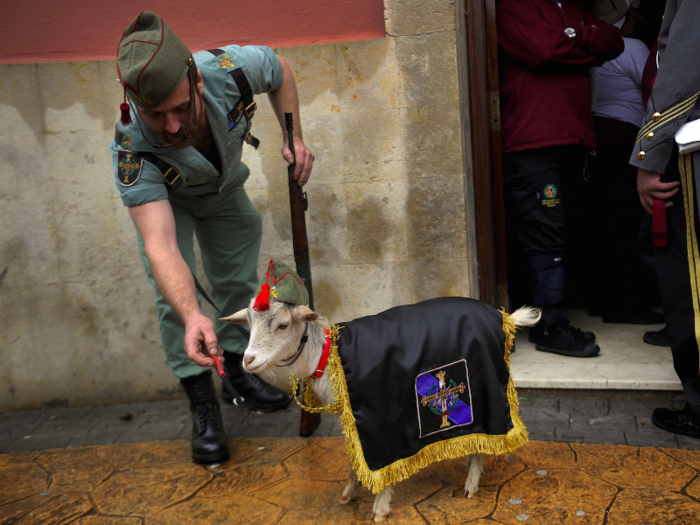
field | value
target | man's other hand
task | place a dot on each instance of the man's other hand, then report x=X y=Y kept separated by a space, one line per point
x=304 y=158
x=650 y=187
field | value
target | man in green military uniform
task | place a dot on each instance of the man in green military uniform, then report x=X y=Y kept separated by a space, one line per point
x=177 y=160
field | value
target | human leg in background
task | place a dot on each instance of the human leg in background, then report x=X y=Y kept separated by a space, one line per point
x=535 y=186
x=614 y=219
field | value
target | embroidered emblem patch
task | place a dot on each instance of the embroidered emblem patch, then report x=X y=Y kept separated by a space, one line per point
x=225 y=61
x=127 y=142
x=235 y=115
x=550 y=191
x=129 y=166
x=444 y=399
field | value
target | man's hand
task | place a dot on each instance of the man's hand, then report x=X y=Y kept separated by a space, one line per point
x=200 y=341
x=650 y=187
x=304 y=158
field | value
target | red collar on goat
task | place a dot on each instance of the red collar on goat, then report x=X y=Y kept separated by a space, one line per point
x=324 y=356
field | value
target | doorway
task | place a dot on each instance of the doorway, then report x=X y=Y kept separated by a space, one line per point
x=625 y=362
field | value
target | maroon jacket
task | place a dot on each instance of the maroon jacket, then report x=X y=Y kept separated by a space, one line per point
x=545 y=86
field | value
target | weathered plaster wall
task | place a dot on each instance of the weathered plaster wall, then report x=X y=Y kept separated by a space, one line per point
x=387 y=221
x=79 y=30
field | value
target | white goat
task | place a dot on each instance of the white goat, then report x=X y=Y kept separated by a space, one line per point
x=275 y=339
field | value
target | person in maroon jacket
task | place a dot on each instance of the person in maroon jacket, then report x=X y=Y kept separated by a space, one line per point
x=546 y=51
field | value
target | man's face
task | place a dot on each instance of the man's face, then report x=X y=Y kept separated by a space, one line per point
x=173 y=117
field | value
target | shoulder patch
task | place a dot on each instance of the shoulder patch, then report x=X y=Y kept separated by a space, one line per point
x=225 y=61
x=129 y=167
x=235 y=115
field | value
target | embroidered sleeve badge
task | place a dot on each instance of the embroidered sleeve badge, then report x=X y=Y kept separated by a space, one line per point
x=444 y=398
x=129 y=167
x=225 y=61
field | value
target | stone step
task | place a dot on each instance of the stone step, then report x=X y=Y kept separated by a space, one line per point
x=625 y=362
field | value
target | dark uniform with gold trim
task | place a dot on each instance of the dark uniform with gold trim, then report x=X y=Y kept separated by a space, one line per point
x=673 y=102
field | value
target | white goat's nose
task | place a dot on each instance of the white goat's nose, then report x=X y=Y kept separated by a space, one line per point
x=247 y=360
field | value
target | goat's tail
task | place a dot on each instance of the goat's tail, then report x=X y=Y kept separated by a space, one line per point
x=526 y=316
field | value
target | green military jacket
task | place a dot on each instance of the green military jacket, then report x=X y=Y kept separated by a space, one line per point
x=137 y=176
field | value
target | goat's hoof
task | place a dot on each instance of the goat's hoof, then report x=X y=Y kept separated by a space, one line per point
x=469 y=493
x=380 y=516
x=346 y=499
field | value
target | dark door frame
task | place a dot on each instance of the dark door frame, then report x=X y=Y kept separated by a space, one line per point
x=484 y=113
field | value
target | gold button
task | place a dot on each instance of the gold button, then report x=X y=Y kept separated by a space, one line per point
x=656 y=117
x=641 y=155
x=650 y=135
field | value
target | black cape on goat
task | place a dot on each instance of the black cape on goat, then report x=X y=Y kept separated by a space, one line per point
x=422 y=383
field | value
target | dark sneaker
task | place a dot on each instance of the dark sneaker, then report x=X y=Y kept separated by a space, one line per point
x=537 y=331
x=564 y=339
x=256 y=393
x=677 y=421
x=633 y=316
x=658 y=338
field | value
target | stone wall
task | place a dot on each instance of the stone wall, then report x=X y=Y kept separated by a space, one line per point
x=387 y=221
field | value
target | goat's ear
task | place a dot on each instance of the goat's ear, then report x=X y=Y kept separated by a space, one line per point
x=306 y=314
x=239 y=317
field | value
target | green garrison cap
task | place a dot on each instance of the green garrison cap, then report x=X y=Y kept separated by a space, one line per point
x=152 y=61
x=282 y=284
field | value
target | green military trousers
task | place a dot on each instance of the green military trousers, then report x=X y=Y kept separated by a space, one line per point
x=228 y=230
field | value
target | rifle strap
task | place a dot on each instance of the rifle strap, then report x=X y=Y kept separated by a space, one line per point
x=249 y=105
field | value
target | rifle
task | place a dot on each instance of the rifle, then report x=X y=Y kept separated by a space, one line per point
x=299 y=203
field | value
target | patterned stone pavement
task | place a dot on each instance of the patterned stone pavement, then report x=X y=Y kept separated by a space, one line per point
x=295 y=480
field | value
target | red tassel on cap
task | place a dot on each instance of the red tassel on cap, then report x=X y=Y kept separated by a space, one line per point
x=659 y=224
x=262 y=301
x=126 y=115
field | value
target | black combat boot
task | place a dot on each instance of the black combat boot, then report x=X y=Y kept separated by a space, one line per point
x=256 y=394
x=209 y=442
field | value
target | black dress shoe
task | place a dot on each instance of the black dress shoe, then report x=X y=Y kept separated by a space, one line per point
x=658 y=338
x=538 y=331
x=682 y=422
x=256 y=393
x=209 y=443
x=633 y=316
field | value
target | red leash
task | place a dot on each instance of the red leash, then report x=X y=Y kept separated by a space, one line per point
x=219 y=368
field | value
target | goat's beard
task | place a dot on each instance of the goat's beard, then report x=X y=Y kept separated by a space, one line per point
x=269 y=376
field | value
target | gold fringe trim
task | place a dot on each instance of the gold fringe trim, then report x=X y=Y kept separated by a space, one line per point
x=378 y=480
